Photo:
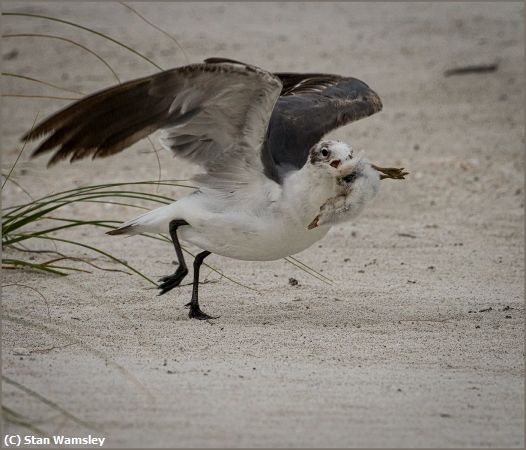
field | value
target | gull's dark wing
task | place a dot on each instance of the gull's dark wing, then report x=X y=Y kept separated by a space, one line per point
x=215 y=115
x=310 y=106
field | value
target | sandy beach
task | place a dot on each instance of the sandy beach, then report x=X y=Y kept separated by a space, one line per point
x=419 y=342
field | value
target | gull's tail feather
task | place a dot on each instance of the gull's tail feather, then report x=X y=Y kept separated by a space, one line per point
x=128 y=229
x=156 y=221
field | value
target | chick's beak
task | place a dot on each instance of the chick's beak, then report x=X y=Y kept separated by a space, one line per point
x=336 y=163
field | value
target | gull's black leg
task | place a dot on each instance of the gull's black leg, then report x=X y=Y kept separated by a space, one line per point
x=195 y=311
x=171 y=281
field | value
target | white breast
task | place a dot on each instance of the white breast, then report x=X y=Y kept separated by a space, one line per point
x=263 y=227
x=272 y=241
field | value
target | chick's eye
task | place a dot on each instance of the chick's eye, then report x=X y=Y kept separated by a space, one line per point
x=324 y=152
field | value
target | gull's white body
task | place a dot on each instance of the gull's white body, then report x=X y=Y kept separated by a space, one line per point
x=261 y=220
x=268 y=225
x=256 y=199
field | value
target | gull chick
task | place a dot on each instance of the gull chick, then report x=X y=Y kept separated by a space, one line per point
x=358 y=182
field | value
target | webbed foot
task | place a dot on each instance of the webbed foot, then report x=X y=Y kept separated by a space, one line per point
x=196 y=313
x=170 y=281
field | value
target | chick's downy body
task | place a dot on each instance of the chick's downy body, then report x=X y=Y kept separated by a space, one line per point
x=358 y=183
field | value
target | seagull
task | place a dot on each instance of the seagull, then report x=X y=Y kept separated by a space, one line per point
x=256 y=135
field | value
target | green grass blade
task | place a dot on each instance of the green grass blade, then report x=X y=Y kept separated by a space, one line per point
x=101 y=223
x=32 y=289
x=171 y=183
x=61 y=38
x=9 y=226
x=76 y=25
x=108 y=202
x=83 y=189
x=12 y=222
x=19 y=186
x=21 y=263
x=19 y=155
x=47 y=97
x=158 y=28
x=54 y=266
x=61 y=257
x=309 y=268
x=312 y=274
x=47 y=402
x=159 y=167
x=84 y=261
x=30 y=235
x=102 y=252
x=98 y=353
x=17 y=419
x=36 y=80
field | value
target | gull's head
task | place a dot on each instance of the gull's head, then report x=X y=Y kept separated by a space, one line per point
x=330 y=156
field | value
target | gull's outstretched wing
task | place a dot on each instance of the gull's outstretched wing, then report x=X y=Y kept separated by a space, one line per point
x=310 y=106
x=215 y=115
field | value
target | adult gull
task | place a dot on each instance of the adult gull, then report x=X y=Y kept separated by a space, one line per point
x=258 y=136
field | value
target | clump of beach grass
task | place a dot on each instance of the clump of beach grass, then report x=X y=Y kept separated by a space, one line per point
x=45 y=219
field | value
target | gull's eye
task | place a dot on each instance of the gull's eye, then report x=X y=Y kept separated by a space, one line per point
x=324 y=152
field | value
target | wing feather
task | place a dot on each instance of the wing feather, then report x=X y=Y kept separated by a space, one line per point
x=223 y=115
x=207 y=113
x=312 y=105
